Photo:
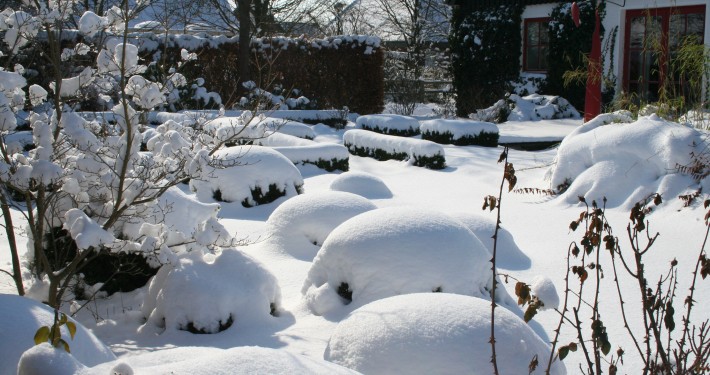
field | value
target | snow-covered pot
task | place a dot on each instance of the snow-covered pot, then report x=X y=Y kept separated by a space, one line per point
x=396 y=250
x=207 y=296
x=435 y=333
x=251 y=175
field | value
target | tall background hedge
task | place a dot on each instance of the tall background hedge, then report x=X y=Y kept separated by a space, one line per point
x=485 y=45
x=332 y=72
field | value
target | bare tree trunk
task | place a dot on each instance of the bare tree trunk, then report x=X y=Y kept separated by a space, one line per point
x=10 y=230
x=244 y=16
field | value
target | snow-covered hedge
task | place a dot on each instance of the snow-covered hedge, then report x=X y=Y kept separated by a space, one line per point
x=396 y=250
x=419 y=152
x=252 y=175
x=611 y=156
x=202 y=296
x=361 y=183
x=460 y=132
x=290 y=127
x=390 y=124
x=328 y=156
x=435 y=333
x=302 y=223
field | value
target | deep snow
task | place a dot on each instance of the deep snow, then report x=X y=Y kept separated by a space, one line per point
x=538 y=240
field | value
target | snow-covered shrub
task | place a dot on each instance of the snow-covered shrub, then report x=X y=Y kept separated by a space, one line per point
x=94 y=184
x=508 y=254
x=497 y=113
x=396 y=250
x=230 y=131
x=460 y=132
x=699 y=119
x=540 y=107
x=361 y=183
x=294 y=128
x=390 y=124
x=276 y=99
x=528 y=108
x=625 y=161
x=200 y=295
x=302 y=223
x=419 y=152
x=251 y=175
x=435 y=333
x=215 y=361
x=26 y=317
x=328 y=156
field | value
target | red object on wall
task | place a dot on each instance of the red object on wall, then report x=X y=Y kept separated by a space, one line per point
x=575 y=14
x=593 y=94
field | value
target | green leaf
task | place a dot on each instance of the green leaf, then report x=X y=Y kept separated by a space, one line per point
x=72 y=329
x=42 y=335
x=63 y=319
x=64 y=344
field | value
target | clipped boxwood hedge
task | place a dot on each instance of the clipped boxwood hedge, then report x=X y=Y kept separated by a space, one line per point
x=482 y=139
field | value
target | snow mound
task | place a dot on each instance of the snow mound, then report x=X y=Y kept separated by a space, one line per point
x=396 y=250
x=544 y=289
x=207 y=297
x=302 y=223
x=45 y=359
x=508 y=254
x=625 y=162
x=213 y=361
x=389 y=124
x=23 y=317
x=361 y=183
x=247 y=174
x=434 y=333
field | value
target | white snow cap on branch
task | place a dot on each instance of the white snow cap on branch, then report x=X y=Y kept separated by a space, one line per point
x=85 y=232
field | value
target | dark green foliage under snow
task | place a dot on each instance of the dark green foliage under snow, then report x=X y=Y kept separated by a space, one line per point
x=482 y=139
x=437 y=161
x=485 y=46
x=389 y=131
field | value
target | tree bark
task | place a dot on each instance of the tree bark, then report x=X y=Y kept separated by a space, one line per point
x=244 y=16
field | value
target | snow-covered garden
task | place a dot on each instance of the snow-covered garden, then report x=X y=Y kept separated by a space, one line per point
x=267 y=245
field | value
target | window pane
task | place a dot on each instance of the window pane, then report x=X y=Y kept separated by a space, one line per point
x=635 y=70
x=533 y=56
x=637 y=32
x=543 y=58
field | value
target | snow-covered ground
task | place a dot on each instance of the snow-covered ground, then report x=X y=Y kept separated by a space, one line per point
x=297 y=338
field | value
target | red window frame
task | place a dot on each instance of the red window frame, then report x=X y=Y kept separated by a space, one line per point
x=541 y=46
x=646 y=81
